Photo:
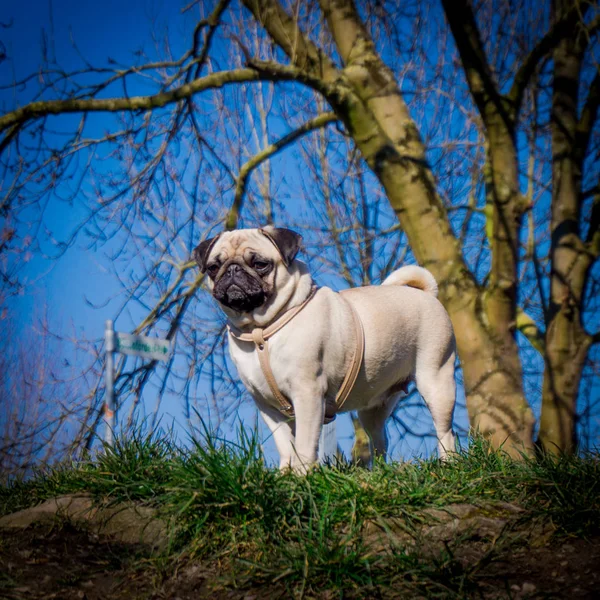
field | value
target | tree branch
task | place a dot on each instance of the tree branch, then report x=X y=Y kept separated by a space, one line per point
x=273 y=71
x=593 y=236
x=562 y=28
x=461 y=19
x=526 y=325
x=265 y=154
x=38 y=109
x=212 y=22
x=163 y=304
x=587 y=120
x=286 y=33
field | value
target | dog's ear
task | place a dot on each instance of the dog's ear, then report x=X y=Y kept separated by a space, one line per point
x=288 y=242
x=202 y=251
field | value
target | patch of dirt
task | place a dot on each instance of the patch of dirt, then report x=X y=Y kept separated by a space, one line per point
x=562 y=569
x=508 y=554
x=61 y=561
x=49 y=558
x=64 y=562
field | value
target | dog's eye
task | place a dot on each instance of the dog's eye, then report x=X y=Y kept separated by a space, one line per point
x=212 y=269
x=261 y=265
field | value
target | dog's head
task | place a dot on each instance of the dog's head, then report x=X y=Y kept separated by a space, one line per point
x=246 y=267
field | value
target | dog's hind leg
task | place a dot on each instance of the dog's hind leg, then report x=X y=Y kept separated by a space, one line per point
x=373 y=420
x=438 y=388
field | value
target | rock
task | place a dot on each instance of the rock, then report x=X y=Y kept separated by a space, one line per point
x=438 y=525
x=125 y=522
x=528 y=588
x=72 y=506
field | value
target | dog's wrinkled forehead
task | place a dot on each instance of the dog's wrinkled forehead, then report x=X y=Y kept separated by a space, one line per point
x=234 y=244
x=274 y=243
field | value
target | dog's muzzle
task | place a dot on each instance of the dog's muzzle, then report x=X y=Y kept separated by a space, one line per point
x=237 y=289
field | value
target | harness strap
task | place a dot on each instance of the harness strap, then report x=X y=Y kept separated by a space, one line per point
x=262 y=349
x=357 y=358
x=278 y=324
x=260 y=336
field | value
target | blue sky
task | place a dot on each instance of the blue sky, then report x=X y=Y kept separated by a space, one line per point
x=99 y=30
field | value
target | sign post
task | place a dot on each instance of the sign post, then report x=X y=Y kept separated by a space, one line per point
x=134 y=345
x=109 y=405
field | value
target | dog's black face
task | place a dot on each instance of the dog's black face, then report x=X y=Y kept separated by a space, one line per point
x=242 y=265
x=238 y=287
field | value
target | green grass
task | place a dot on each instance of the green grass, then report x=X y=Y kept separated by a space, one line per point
x=307 y=533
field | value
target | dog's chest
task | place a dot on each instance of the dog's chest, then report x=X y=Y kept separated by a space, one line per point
x=245 y=357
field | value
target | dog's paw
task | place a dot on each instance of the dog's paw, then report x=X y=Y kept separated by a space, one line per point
x=302 y=467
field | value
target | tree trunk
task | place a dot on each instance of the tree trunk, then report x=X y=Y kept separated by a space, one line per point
x=567 y=346
x=361 y=449
x=566 y=341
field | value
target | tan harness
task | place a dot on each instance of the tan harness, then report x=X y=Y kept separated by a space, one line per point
x=260 y=336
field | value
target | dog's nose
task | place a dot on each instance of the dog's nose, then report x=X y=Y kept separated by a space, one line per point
x=233 y=268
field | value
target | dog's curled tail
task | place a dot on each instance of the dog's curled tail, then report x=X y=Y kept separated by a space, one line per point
x=413 y=276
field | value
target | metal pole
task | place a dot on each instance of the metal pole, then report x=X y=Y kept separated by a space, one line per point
x=328 y=443
x=109 y=405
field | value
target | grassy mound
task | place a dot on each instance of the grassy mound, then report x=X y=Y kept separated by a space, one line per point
x=340 y=531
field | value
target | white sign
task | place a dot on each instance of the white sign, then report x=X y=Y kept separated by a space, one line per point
x=140 y=345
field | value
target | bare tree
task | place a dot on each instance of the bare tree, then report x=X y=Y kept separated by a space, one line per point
x=460 y=184
x=40 y=407
x=573 y=251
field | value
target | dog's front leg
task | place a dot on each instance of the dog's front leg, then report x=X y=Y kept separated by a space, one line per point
x=309 y=409
x=281 y=428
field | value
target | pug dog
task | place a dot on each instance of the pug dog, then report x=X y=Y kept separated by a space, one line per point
x=257 y=280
